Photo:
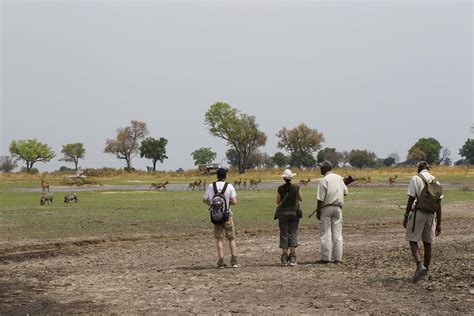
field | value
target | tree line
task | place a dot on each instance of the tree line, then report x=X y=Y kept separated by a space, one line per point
x=302 y=144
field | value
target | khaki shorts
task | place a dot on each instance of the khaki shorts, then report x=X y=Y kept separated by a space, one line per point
x=227 y=227
x=424 y=227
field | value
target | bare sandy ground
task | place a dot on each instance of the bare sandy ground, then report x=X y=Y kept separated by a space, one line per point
x=176 y=275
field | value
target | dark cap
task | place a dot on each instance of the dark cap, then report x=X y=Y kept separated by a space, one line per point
x=221 y=173
x=325 y=164
x=423 y=165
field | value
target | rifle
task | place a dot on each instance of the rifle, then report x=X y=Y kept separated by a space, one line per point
x=347 y=180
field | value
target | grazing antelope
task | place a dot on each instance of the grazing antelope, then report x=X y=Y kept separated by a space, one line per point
x=391 y=180
x=254 y=183
x=159 y=185
x=304 y=182
x=70 y=197
x=46 y=197
x=44 y=184
x=237 y=183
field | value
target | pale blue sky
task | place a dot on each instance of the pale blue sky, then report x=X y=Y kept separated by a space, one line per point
x=369 y=75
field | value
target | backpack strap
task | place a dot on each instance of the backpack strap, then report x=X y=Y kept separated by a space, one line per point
x=224 y=187
x=214 y=186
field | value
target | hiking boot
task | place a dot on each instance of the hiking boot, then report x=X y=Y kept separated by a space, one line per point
x=220 y=263
x=292 y=260
x=284 y=259
x=420 y=273
x=233 y=262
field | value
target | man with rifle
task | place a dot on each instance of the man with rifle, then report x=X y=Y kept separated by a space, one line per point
x=331 y=191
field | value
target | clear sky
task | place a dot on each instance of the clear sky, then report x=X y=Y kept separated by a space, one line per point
x=375 y=75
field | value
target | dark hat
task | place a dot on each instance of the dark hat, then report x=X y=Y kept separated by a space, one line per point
x=221 y=173
x=325 y=164
x=423 y=165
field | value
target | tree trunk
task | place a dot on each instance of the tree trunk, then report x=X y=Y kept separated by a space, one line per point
x=241 y=164
x=129 y=164
x=154 y=164
x=76 y=162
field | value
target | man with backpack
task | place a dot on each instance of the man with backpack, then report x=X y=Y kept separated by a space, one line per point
x=423 y=216
x=220 y=195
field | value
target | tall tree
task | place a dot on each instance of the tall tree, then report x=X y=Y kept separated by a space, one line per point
x=301 y=142
x=7 y=164
x=239 y=130
x=362 y=158
x=467 y=151
x=72 y=153
x=154 y=149
x=203 y=155
x=126 y=144
x=280 y=159
x=429 y=146
x=31 y=151
x=330 y=154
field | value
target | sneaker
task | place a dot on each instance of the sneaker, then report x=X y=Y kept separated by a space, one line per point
x=284 y=259
x=420 y=273
x=233 y=262
x=220 y=263
x=292 y=259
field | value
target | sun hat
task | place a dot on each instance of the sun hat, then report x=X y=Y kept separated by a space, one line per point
x=287 y=174
x=325 y=164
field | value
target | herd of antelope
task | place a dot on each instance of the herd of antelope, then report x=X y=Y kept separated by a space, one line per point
x=251 y=184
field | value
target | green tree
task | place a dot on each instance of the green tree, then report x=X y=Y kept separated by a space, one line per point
x=154 y=149
x=7 y=164
x=467 y=151
x=301 y=142
x=389 y=161
x=72 y=153
x=362 y=158
x=280 y=159
x=239 y=130
x=203 y=155
x=429 y=146
x=330 y=154
x=31 y=151
x=127 y=142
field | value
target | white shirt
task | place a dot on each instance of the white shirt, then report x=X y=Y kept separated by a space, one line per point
x=228 y=194
x=331 y=189
x=417 y=184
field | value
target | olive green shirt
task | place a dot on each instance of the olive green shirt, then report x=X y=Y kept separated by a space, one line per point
x=290 y=205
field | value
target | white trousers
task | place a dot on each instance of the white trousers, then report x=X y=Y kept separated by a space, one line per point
x=330 y=233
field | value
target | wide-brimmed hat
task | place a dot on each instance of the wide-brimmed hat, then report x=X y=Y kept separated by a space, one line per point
x=287 y=174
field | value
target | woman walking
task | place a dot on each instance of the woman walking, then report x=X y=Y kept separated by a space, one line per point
x=287 y=200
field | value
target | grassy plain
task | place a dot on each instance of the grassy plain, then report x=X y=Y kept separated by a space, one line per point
x=128 y=213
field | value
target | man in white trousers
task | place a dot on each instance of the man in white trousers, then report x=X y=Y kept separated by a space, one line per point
x=330 y=195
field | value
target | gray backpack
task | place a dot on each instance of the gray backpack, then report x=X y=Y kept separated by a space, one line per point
x=218 y=209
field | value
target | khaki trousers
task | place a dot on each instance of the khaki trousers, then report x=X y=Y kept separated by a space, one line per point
x=330 y=233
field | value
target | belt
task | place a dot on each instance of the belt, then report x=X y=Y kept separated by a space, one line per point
x=339 y=205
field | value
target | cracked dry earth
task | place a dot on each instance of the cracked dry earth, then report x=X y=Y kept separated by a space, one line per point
x=176 y=275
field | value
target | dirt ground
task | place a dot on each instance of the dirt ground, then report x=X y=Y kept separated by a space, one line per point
x=176 y=275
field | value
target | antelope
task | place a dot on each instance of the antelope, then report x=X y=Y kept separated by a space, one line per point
x=391 y=180
x=237 y=183
x=254 y=183
x=304 y=182
x=44 y=184
x=194 y=185
x=159 y=185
